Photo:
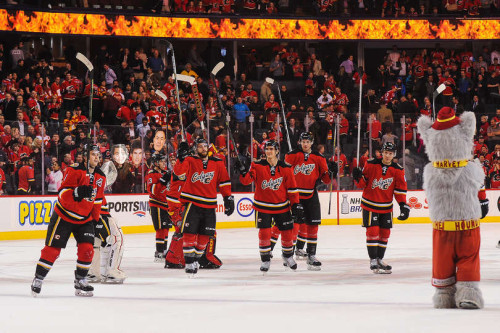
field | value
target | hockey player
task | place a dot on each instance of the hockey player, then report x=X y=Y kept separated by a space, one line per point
x=203 y=175
x=175 y=256
x=308 y=167
x=105 y=266
x=78 y=205
x=275 y=192
x=381 y=179
x=156 y=182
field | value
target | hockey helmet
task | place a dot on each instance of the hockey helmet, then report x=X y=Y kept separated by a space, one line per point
x=198 y=141
x=306 y=136
x=272 y=143
x=389 y=146
x=89 y=149
x=157 y=158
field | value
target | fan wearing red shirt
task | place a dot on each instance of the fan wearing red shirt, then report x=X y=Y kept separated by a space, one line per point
x=271 y=109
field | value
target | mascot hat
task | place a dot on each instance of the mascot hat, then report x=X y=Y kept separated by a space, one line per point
x=446 y=118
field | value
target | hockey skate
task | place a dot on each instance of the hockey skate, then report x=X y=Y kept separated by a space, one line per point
x=383 y=268
x=159 y=257
x=191 y=269
x=289 y=262
x=300 y=254
x=313 y=264
x=170 y=265
x=82 y=287
x=374 y=266
x=498 y=245
x=264 y=266
x=115 y=276
x=36 y=287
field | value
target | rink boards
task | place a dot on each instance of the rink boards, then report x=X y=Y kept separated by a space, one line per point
x=25 y=217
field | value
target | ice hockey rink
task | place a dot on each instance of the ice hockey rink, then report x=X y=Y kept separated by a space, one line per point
x=343 y=297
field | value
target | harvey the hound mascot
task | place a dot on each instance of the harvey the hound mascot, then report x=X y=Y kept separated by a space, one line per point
x=454 y=185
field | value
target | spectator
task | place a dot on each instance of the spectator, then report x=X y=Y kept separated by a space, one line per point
x=53 y=178
x=277 y=68
x=241 y=112
x=348 y=65
x=109 y=76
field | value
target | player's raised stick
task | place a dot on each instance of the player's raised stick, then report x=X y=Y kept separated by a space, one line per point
x=90 y=68
x=213 y=73
x=360 y=72
x=272 y=81
x=171 y=48
x=334 y=138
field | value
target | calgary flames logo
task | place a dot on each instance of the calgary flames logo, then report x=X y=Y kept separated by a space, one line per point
x=383 y=184
x=202 y=177
x=306 y=169
x=273 y=184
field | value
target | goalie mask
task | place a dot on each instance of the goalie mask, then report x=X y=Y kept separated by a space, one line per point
x=119 y=154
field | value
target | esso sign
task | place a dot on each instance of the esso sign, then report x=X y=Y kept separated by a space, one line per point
x=245 y=207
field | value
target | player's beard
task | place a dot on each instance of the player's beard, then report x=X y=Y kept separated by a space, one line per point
x=203 y=154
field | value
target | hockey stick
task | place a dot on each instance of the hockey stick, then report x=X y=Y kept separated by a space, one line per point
x=272 y=81
x=214 y=72
x=334 y=138
x=197 y=99
x=360 y=72
x=171 y=48
x=436 y=93
x=90 y=68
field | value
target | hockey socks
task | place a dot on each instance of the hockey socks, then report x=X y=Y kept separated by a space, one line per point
x=312 y=239
x=161 y=240
x=188 y=248
x=47 y=259
x=275 y=234
x=382 y=243
x=372 y=240
x=265 y=244
x=85 y=255
x=300 y=235
x=287 y=243
x=201 y=244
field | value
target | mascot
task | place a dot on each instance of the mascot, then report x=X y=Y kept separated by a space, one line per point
x=454 y=185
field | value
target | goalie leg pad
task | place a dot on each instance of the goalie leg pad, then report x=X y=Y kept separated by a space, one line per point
x=174 y=254
x=112 y=253
x=95 y=267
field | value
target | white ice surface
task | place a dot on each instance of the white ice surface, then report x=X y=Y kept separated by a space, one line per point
x=343 y=297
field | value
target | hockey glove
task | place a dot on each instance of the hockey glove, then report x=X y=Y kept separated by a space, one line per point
x=183 y=151
x=485 y=207
x=240 y=166
x=404 y=211
x=165 y=179
x=357 y=174
x=333 y=168
x=298 y=213
x=82 y=192
x=228 y=205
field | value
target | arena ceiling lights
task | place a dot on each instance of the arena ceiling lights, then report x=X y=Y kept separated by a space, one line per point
x=242 y=28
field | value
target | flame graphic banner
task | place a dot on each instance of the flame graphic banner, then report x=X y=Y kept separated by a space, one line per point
x=241 y=28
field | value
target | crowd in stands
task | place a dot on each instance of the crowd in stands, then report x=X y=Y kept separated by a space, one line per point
x=324 y=8
x=45 y=117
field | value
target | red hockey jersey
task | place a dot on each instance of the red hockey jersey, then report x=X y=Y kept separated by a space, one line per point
x=202 y=178
x=380 y=182
x=156 y=190
x=275 y=187
x=79 y=212
x=174 y=189
x=307 y=169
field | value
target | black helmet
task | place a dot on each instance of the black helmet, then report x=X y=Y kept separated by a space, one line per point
x=90 y=149
x=306 y=136
x=197 y=141
x=389 y=146
x=272 y=143
x=157 y=158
